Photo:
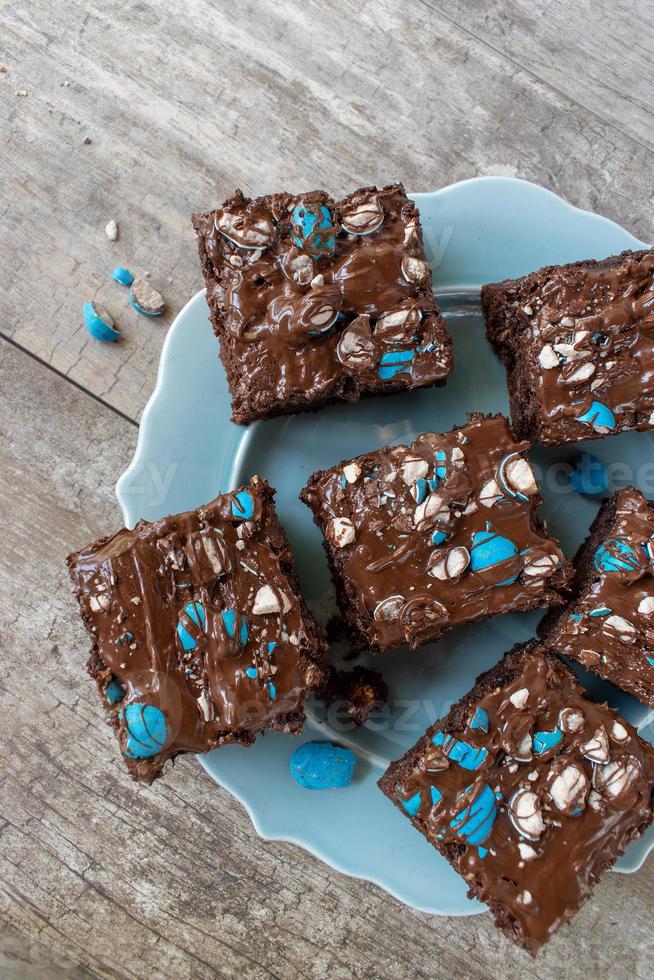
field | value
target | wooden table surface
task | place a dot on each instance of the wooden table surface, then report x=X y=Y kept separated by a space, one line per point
x=143 y=111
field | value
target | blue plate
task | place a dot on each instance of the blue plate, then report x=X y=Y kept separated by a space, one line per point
x=476 y=231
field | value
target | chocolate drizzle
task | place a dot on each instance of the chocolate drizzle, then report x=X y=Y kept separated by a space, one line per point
x=442 y=532
x=609 y=627
x=199 y=617
x=288 y=279
x=529 y=821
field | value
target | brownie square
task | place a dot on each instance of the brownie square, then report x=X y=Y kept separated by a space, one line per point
x=425 y=537
x=530 y=789
x=578 y=344
x=316 y=300
x=608 y=626
x=200 y=635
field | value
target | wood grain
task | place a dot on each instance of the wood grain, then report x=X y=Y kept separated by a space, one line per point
x=108 y=878
x=182 y=107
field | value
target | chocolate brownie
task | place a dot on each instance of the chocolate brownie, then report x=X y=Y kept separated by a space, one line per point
x=608 y=625
x=359 y=692
x=578 y=344
x=200 y=634
x=316 y=300
x=424 y=537
x=530 y=790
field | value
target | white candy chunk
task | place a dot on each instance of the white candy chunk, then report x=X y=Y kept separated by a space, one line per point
x=415 y=270
x=566 y=321
x=352 y=472
x=450 y=565
x=523 y=752
x=527 y=853
x=618 y=732
x=597 y=747
x=571 y=720
x=397 y=325
x=363 y=218
x=490 y=493
x=269 y=601
x=99 y=602
x=414 y=468
x=615 y=778
x=594 y=800
x=342 y=532
x=541 y=567
x=300 y=267
x=388 y=609
x=583 y=373
x=622 y=626
x=646 y=605
x=317 y=281
x=458 y=458
x=547 y=358
x=569 y=788
x=525 y=897
x=519 y=698
x=111 y=230
x=525 y=814
x=568 y=351
x=244 y=231
x=430 y=507
x=520 y=476
x=650 y=420
x=206 y=706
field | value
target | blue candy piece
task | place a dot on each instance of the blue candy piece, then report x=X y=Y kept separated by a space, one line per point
x=228 y=617
x=242 y=505
x=438 y=537
x=480 y=720
x=195 y=612
x=436 y=795
x=488 y=549
x=252 y=672
x=589 y=476
x=412 y=805
x=649 y=659
x=272 y=691
x=310 y=227
x=420 y=490
x=544 y=741
x=603 y=611
x=146 y=730
x=475 y=821
x=122 y=275
x=576 y=617
x=468 y=756
x=271 y=645
x=616 y=555
x=598 y=415
x=114 y=691
x=482 y=852
x=99 y=324
x=321 y=765
x=394 y=362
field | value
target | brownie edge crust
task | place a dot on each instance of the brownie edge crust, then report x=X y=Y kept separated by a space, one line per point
x=200 y=635
x=316 y=300
x=529 y=789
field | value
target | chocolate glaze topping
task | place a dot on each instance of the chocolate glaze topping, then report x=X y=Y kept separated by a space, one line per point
x=424 y=537
x=316 y=299
x=609 y=626
x=529 y=789
x=582 y=337
x=200 y=636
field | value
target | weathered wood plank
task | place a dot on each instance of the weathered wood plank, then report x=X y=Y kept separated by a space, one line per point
x=101 y=877
x=183 y=106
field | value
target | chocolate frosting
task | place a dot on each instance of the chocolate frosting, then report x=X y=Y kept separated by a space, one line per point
x=425 y=537
x=529 y=789
x=198 y=618
x=316 y=299
x=610 y=627
x=585 y=338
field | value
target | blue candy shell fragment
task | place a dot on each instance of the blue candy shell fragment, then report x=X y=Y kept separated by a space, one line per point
x=589 y=476
x=321 y=765
x=488 y=549
x=228 y=617
x=145 y=727
x=475 y=822
x=99 y=325
x=242 y=505
x=438 y=537
x=468 y=756
x=122 y=275
x=616 y=555
x=114 y=691
x=480 y=720
x=544 y=741
x=598 y=416
x=310 y=227
x=195 y=613
x=394 y=362
x=412 y=805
